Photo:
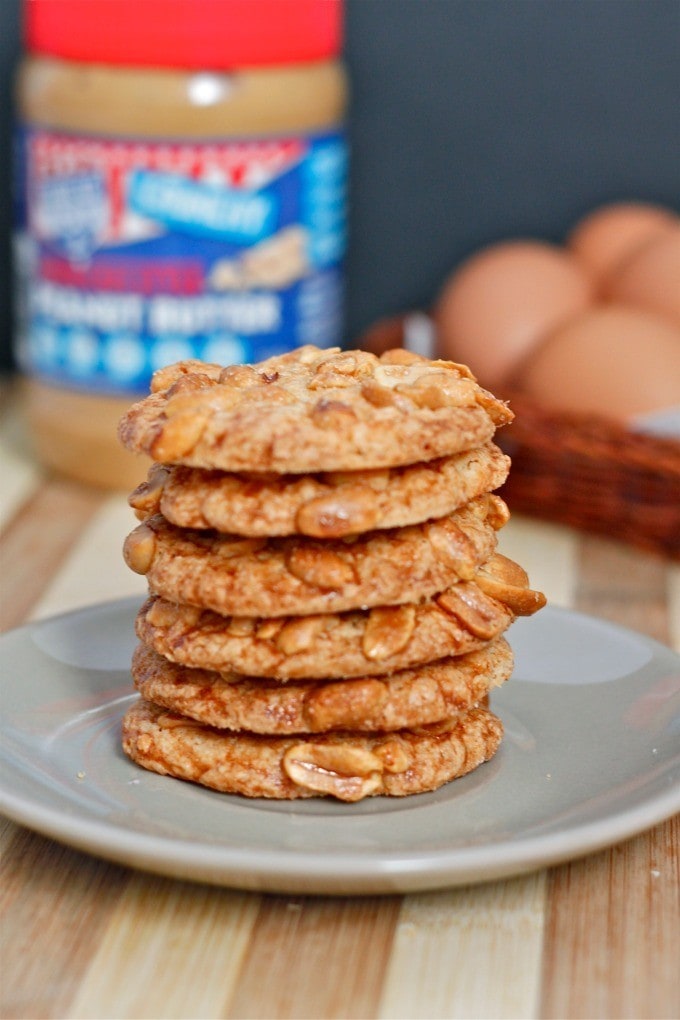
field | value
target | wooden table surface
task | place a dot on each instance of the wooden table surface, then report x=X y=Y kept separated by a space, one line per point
x=596 y=937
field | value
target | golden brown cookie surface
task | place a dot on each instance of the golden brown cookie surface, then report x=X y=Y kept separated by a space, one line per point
x=280 y=577
x=347 y=766
x=414 y=697
x=312 y=410
x=368 y=642
x=321 y=506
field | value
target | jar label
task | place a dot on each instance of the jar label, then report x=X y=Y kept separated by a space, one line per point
x=131 y=255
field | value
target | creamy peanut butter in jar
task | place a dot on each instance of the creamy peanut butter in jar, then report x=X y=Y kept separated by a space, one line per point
x=180 y=194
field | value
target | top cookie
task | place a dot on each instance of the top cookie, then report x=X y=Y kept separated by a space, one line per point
x=312 y=410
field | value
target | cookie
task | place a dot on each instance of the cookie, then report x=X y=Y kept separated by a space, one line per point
x=342 y=765
x=285 y=576
x=365 y=643
x=312 y=410
x=320 y=506
x=413 y=697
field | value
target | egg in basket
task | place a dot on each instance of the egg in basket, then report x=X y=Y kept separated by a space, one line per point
x=583 y=338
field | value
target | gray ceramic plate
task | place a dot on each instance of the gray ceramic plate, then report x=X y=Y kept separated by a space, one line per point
x=591 y=755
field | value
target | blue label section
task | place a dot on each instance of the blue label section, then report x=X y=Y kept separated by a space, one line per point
x=324 y=201
x=114 y=343
x=204 y=210
x=125 y=265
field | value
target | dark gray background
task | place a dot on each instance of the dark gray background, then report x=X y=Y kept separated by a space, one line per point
x=473 y=120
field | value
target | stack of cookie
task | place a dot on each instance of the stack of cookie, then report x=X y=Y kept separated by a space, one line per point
x=326 y=603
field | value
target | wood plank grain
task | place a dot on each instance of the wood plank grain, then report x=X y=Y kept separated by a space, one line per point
x=8 y=831
x=612 y=942
x=19 y=471
x=54 y=904
x=36 y=543
x=469 y=952
x=619 y=583
x=170 y=950
x=312 y=958
x=94 y=570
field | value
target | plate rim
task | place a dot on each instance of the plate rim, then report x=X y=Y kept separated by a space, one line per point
x=424 y=869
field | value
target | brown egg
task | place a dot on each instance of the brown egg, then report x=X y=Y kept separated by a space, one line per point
x=612 y=360
x=604 y=238
x=500 y=302
x=650 y=278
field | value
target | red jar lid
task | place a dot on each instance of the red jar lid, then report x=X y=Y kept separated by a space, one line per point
x=192 y=34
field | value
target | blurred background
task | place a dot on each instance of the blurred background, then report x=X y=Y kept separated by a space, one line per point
x=471 y=121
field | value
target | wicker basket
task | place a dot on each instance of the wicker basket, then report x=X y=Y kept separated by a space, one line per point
x=593 y=474
x=584 y=471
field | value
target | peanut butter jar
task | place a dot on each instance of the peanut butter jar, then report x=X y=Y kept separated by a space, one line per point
x=180 y=193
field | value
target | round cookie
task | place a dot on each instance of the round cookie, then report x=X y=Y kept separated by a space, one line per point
x=342 y=765
x=284 y=576
x=312 y=410
x=320 y=506
x=413 y=697
x=362 y=643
